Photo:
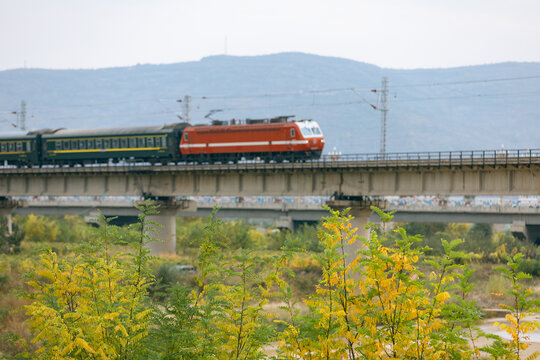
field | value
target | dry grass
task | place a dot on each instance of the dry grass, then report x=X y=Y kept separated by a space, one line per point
x=12 y=318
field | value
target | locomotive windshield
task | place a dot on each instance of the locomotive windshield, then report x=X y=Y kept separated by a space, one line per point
x=310 y=129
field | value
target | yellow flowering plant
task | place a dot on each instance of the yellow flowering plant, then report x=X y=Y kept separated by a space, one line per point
x=377 y=304
x=93 y=305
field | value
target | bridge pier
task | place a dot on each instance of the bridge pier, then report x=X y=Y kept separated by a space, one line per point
x=361 y=212
x=166 y=234
x=525 y=232
x=7 y=206
x=285 y=222
x=7 y=214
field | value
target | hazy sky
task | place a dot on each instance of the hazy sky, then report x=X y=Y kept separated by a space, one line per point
x=388 y=33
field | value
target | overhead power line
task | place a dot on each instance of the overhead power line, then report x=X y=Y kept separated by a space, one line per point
x=511 y=94
x=358 y=91
x=463 y=82
x=280 y=94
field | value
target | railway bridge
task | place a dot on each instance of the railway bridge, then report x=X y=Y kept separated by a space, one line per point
x=350 y=179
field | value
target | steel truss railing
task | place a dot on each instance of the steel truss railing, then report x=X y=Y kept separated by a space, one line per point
x=439 y=159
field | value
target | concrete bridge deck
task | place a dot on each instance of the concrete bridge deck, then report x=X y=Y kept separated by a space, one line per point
x=449 y=173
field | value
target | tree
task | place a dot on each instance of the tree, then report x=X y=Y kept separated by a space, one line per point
x=94 y=304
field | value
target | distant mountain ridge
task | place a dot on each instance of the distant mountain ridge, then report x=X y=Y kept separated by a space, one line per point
x=475 y=107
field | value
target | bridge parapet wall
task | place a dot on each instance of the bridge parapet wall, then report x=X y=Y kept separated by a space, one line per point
x=285 y=180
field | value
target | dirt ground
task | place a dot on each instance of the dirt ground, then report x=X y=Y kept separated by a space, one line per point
x=486 y=326
x=534 y=338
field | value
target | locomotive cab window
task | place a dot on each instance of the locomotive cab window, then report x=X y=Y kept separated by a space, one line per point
x=292 y=132
x=186 y=136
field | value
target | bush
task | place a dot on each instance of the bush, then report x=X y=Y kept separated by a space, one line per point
x=93 y=304
x=530 y=266
x=377 y=305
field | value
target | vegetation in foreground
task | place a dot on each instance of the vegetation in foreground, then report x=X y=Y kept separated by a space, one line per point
x=102 y=301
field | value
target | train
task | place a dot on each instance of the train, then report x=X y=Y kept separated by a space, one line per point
x=270 y=139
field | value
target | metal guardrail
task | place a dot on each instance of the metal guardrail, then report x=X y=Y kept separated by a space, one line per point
x=439 y=159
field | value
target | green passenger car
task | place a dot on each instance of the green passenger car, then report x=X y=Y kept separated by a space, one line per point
x=19 y=149
x=146 y=143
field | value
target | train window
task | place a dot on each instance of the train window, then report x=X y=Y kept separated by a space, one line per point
x=115 y=143
x=123 y=143
x=82 y=144
x=316 y=131
x=65 y=144
x=11 y=147
x=132 y=142
x=58 y=145
x=150 y=141
x=163 y=141
x=3 y=147
x=292 y=132
x=98 y=144
x=140 y=142
x=90 y=144
x=186 y=136
x=106 y=143
x=73 y=144
x=28 y=146
x=19 y=146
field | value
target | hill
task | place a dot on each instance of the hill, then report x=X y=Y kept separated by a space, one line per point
x=429 y=109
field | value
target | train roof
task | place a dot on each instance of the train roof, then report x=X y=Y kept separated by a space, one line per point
x=138 y=130
x=15 y=135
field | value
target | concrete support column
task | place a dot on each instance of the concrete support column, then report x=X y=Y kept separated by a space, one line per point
x=519 y=230
x=166 y=234
x=361 y=218
x=7 y=206
x=168 y=207
x=285 y=222
x=361 y=211
x=9 y=223
x=7 y=214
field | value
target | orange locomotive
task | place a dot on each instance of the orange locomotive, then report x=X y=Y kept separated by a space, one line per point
x=274 y=139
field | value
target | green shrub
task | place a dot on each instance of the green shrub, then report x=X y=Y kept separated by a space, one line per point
x=530 y=266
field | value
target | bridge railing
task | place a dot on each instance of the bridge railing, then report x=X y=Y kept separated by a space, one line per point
x=469 y=158
x=440 y=158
